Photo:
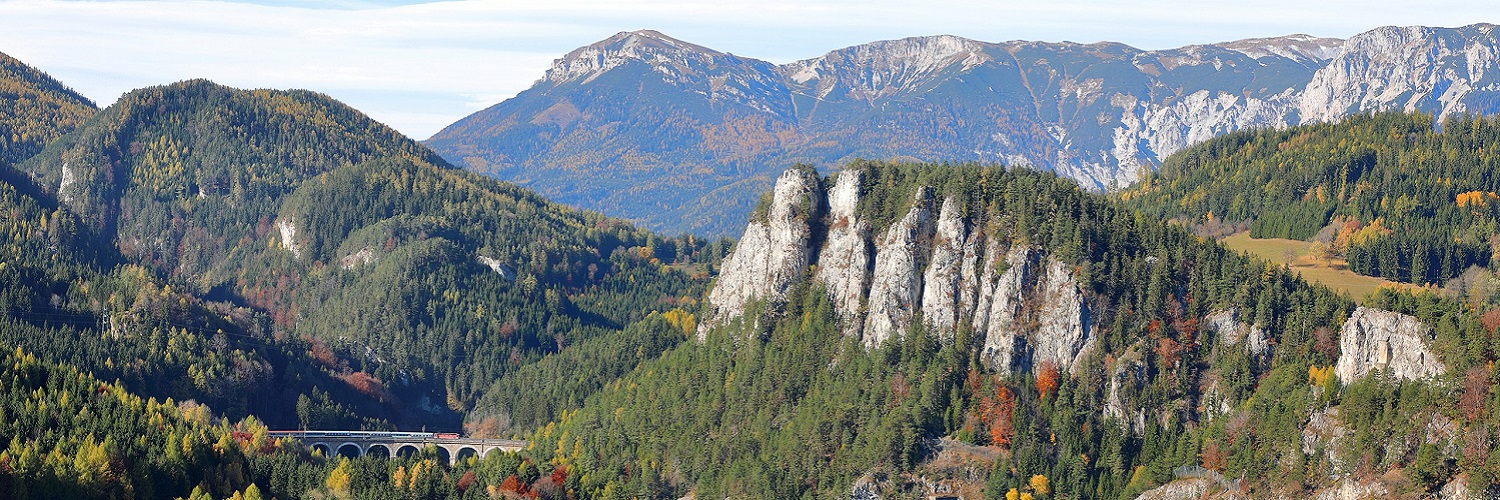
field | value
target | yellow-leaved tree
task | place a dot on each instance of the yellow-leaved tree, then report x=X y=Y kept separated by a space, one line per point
x=338 y=480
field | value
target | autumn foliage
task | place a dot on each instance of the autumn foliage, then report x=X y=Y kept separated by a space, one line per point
x=1047 y=379
x=1213 y=456
x=1001 y=410
x=1476 y=391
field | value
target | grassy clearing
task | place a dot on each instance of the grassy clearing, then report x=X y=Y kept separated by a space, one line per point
x=1334 y=274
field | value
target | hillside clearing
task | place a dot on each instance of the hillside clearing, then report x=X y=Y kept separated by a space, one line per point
x=1332 y=273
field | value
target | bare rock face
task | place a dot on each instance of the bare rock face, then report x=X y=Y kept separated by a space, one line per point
x=1181 y=489
x=772 y=254
x=1325 y=432
x=1444 y=71
x=844 y=262
x=970 y=285
x=1352 y=489
x=1128 y=374
x=936 y=264
x=1227 y=328
x=998 y=315
x=940 y=290
x=1457 y=489
x=896 y=286
x=1026 y=293
x=364 y=256
x=1374 y=339
x=288 y=230
x=1063 y=318
x=498 y=267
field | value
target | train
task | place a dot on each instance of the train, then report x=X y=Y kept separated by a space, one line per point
x=366 y=434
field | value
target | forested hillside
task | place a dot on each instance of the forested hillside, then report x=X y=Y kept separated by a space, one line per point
x=1392 y=193
x=293 y=259
x=279 y=257
x=35 y=109
x=1191 y=355
x=71 y=435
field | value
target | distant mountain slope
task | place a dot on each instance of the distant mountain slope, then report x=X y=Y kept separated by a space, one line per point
x=681 y=137
x=34 y=110
x=409 y=281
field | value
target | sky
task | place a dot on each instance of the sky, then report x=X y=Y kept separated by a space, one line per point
x=421 y=65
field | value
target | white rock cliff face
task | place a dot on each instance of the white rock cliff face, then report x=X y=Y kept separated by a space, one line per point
x=1025 y=307
x=1374 y=339
x=997 y=316
x=1064 y=319
x=844 y=262
x=288 y=230
x=1228 y=329
x=897 y=283
x=772 y=254
x=940 y=290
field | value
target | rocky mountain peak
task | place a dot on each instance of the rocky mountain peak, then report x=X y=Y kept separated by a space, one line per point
x=879 y=69
x=660 y=51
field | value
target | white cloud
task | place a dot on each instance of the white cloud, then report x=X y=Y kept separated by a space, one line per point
x=423 y=65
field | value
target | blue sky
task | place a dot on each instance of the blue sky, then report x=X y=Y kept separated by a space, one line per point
x=419 y=66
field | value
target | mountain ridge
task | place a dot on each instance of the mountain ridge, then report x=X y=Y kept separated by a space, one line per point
x=34 y=109
x=680 y=136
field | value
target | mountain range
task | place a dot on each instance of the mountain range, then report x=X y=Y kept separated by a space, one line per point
x=682 y=137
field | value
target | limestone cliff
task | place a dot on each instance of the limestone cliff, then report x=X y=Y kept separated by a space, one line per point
x=933 y=265
x=1374 y=339
x=1064 y=319
x=774 y=251
x=1227 y=328
x=1000 y=308
x=940 y=290
x=896 y=285
x=844 y=262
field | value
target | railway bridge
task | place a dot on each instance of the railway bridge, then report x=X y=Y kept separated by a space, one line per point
x=353 y=444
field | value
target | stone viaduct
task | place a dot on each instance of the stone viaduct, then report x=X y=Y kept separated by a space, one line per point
x=450 y=447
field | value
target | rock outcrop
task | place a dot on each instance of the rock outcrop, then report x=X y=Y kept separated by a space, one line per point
x=896 y=286
x=1354 y=489
x=844 y=262
x=1227 y=328
x=1126 y=380
x=940 y=289
x=1000 y=308
x=1181 y=489
x=1374 y=339
x=288 y=230
x=934 y=265
x=774 y=251
x=1064 y=318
